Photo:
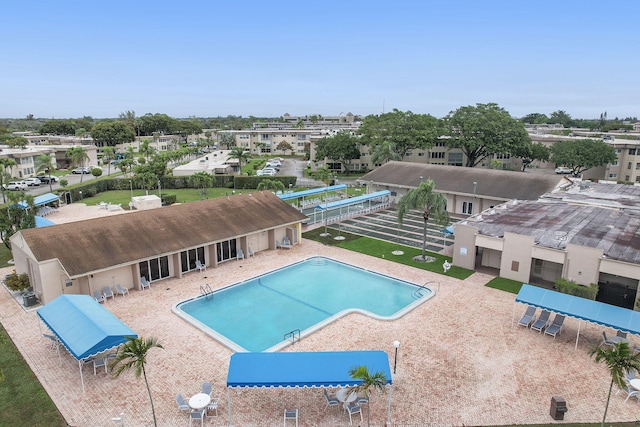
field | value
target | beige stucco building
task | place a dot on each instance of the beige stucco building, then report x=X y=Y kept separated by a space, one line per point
x=83 y=257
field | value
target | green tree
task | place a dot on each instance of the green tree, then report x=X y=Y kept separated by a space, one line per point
x=58 y=127
x=161 y=123
x=284 y=146
x=531 y=118
x=129 y=117
x=406 y=130
x=270 y=184
x=483 y=130
x=369 y=383
x=323 y=174
x=78 y=156
x=619 y=359
x=15 y=217
x=6 y=165
x=529 y=152
x=133 y=356
x=342 y=147
x=582 y=154
x=16 y=141
x=110 y=134
x=44 y=163
x=108 y=154
x=146 y=149
x=201 y=180
x=239 y=153
x=433 y=205
x=227 y=139
x=383 y=152
x=561 y=117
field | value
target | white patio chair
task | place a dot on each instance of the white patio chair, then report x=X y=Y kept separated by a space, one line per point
x=144 y=283
x=182 y=404
x=107 y=292
x=353 y=409
x=330 y=401
x=290 y=414
x=121 y=291
x=239 y=254
x=98 y=296
x=196 y=415
x=200 y=266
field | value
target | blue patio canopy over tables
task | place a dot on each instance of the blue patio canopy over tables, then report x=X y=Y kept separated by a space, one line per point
x=611 y=316
x=83 y=326
x=305 y=369
x=311 y=192
x=43 y=199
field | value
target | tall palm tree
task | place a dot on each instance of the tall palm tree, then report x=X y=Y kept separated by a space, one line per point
x=133 y=355
x=433 y=205
x=383 y=152
x=239 y=153
x=619 y=359
x=370 y=382
x=44 y=163
x=108 y=154
x=201 y=180
x=270 y=184
x=6 y=166
x=78 y=156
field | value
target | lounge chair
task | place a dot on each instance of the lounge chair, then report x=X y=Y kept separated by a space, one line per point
x=120 y=290
x=200 y=266
x=107 y=292
x=250 y=252
x=528 y=317
x=542 y=321
x=290 y=414
x=556 y=326
x=98 y=296
x=144 y=283
x=239 y=254
x=196 y=415
x=282 y=245
x=606 y=341
x=182 y=404
x=286 y=241
x=330 y=401
x=207 y=388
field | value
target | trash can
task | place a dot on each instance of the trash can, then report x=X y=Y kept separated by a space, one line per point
x=558 y=408
x=29 y=299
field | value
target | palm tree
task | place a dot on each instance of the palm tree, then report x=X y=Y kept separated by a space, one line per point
x=78 y=155
x=370 y=382
x=383 y=152
x=133 y=355
x=227 y=139
x=619 y=359
x=44 y=163
x=201 y=180
x=5 y=176
x=239 y=153
x=108 y=154
x=433 y=204
x=270 y=184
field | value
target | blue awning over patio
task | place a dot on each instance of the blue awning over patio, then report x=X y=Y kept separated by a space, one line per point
x=311 y=192
x=84 y=326
x=354 y=200
x=43 y=199
x=307 y=369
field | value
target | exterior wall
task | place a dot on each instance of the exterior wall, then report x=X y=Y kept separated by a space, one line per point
x=619 y=268
x=464 y=246
x=516 y=257
x=494 y=243
x=548 y=254
x=583 y=264
x=491 y=258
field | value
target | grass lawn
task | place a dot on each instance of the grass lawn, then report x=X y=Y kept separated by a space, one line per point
x=184 y=195
x=382 y=249
x=23 y=401
x=506 y=285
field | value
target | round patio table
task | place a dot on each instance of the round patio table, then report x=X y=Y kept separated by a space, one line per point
x=199 y=401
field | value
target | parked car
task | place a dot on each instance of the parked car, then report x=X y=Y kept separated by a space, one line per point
x=17 y=185
x=32 y=182
x=563 y=170
x=45 y=179
x=81 y=170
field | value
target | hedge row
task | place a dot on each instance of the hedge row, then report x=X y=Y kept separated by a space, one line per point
x=572 y=288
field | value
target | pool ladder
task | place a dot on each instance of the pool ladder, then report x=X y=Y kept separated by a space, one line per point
x=292 y=336
x=316 y=261
x=206 y=290
x=419 y=293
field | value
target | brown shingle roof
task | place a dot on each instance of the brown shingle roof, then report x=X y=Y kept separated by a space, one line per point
x=100 y=243
x=498 y=184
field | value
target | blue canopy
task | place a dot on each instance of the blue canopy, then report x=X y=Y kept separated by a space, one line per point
x=84 y=326
x=305 y=369
x=43 y=199
x=311 y=192
x=611 y=316
x=312 y=369
x=354 y=200
x=43 y=222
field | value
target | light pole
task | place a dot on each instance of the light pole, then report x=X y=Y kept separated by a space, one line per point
x=131 y=191
x=326 y=212
x=80 y=195
x=396 y=344
x=475 y=184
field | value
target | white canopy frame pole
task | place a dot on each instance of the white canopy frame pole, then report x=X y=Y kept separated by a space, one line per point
x=229 y=406
x=81 y=377
x=389 y=405
x=578 y=336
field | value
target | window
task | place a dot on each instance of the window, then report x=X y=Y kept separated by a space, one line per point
x=615 y=163
x=439 y=155
x=637 y=166
x=188 y=258
x=515 y=265
x=409 y=154
x=629 y=165
x=226 y=250
x=155 y=269
x=613 y=175
x=467 y=208
x=265 y=137
x=421 y=154
x=455 y=159
x=632 y=151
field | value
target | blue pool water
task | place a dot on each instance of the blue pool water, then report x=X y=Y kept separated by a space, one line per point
x=256 y=314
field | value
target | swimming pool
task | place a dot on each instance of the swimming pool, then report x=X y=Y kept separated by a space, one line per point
x=255 y=315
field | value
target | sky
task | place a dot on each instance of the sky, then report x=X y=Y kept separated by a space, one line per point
x=68 y=59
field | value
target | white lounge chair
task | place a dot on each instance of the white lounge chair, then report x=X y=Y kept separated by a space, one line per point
x=528 y=317
x=107 y=292
x=250 y=252
x=98 y=296
x=556 y=326
x=282 y=245
x=200 y=266
x=542 y=321
x=120 y=290
x=239 y=254
x=144 y=283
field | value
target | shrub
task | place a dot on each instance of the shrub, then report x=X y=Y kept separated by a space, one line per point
x=17 y=282
x=572 y=288
x=168 y=199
